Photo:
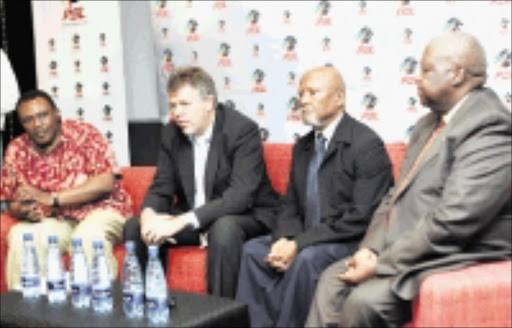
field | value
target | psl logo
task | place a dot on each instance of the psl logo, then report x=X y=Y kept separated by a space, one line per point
x=407 y=35
x=365 y=36
x=291 y=79
x=322 y=11
x=507 y=100
x=53 y=68
x=109 y=136
x=264 y=134
x=51 y=44
x=219 y=5
x=252 y=19
x=258 y=76
x=411 y=105
x=326 y=44
x=367 y=74
x=104 y=64
x=369 y=102
x=80 y=114
x=76 y=41
x=105 y=88
x=453 y=24
x=195 y=57
x=107 y=113
x=103 y=39
x=287 y=17
x=224 y=60
x=260 y=110
x=227 y=83
x=289 y=53
x=192 y=30
x=222 y=25
x=73 y=11
x=362 y=8
x=79 y=90
x=504 y=25
x=408 y=68
x=405 y=9
x=188 y=3
x=167 y=64
x=165 y=34
x=503 y=62
x=78 y=66
x=255 y=50
x=294 y=112
x=55 y=91
x=161 y=10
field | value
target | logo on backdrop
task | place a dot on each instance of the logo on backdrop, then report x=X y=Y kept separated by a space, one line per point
x=194 y=59
x=76 y=41
x=411 y=105
x=405 y=9
x=219 y=5
x=367 y=74
x=291 y=79
x=453 y=24
x=322 y=11
x=109 y=136
x=51 y=44
x=502 y=61
x=264 y=134
x=450 y=2
x=80 y=114
x=258 y=76
x=78 y=66
x=255 y=50
x=507 y=100
x=53 y=68
x=161 y=10
x=227 y=83
x=362 y=7
x=499 y=3
x=222 y=25
x=165 y=34
x=365 y=36
x=408 y=35
x=167 y=64
x=294 y=111
x=55 y=91
x=192 y=30
x=104 y=64
x=289 y=52
x=408 y=68
x=107 y=113
x=105 y=87
x=224 y=60
x=103 y=39
x=73 y=12
x=369 y=102
x=287 y=17
x=253 y=27
x=326 y=44
x=188 y=4
x=260 y=110
x=504 y=25
x=79 y=90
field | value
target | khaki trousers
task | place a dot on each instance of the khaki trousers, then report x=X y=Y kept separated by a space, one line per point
x=105 y=225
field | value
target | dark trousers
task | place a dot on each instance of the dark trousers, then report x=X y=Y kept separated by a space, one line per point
x=283 y=299
x=226 y=237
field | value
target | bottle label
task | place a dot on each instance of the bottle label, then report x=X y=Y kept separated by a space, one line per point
x=28 y=282
x=156 y=304
x=101 y=293
x=79 y=289
x=131 y=299
x=56 y=285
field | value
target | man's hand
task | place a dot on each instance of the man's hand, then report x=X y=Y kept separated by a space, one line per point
x=360 y=267
x=158 y=228
x=282 y=253
x=29 y=193
x=27 y=203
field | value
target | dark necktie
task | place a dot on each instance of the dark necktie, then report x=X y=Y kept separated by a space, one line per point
x=312 y=216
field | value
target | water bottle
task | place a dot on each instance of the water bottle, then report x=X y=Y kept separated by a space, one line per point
x=156 y=289
x=30 y=272
x=55 y=281
x=133 y=288
x=101 y=283
x=80 y=287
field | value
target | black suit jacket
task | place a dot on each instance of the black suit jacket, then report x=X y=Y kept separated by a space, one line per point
x=236 y=181
x=354 y=175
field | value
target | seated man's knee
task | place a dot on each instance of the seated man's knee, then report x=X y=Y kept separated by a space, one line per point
x=15 y=234
x=224 y=232
x=305 y=257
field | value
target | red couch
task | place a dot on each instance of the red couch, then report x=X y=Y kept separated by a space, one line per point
x=479 y=295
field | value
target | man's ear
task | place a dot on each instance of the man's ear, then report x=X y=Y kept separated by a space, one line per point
x=211 y=102
x=458 y=76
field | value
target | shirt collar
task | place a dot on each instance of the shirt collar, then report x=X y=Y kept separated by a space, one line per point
x=328 y=132
x=206 y=137
x=451 y=113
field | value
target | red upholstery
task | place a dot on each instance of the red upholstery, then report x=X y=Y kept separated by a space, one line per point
x=479 y=295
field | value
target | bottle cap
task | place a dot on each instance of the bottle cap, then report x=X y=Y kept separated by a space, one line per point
x=76 y=242
x=52 y=239
x=129 y=245
x=97 y=244
x=153 y=250
x=27 y=236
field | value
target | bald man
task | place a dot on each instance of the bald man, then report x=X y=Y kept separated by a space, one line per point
x=340 y=171
x=451 y=206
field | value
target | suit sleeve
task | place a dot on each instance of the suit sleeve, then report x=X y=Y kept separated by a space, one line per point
x=161 y=193
x=373 y=179
x=477 y=187
x=246 y=173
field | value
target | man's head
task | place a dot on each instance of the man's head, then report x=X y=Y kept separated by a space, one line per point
x=40 y=118
x=452 y=65
x=192 y=99
x=321 y=96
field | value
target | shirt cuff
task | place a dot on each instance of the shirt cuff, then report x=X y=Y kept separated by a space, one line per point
x=191 y=220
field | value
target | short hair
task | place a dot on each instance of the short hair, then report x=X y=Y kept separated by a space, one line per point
x=195 y=77
x=34 y=94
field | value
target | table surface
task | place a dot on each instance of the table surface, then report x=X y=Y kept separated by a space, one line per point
x=191 y=310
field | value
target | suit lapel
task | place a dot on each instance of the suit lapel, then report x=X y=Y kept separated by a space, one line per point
x=341 y=134
x=213 y=153
x=186 y=167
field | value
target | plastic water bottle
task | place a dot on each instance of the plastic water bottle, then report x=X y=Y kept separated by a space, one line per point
x=55 y=281
x=80 y=287
x=133 y=288
x=30 y=271
x=156 y=289
x=101 y=284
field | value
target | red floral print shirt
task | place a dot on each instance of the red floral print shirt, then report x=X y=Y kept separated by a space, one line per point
x=82 y=152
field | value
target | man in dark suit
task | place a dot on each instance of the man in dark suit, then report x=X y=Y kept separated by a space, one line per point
x=211 y=178
x=451 y=206
x=340 y=171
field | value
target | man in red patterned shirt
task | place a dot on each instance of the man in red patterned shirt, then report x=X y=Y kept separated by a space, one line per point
x=59 y=178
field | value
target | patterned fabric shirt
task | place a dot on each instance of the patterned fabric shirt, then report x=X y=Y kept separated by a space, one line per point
x=82 y=153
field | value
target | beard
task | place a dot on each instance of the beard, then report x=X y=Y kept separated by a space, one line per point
x=312 y=120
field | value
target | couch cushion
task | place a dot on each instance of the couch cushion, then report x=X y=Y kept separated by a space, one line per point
x=136 y=181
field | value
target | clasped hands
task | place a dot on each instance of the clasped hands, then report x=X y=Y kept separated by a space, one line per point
x=282 y=253
x=31 y=201
x=360 y=267
x=158 y=228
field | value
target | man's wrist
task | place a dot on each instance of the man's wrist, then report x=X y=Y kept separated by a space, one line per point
x=190 y=220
